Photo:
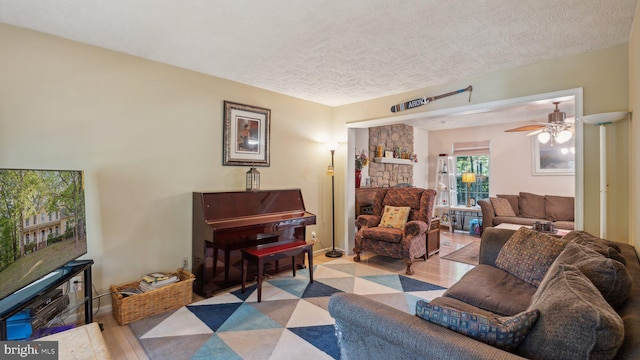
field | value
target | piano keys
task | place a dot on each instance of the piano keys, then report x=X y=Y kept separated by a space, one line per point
x=225 y=222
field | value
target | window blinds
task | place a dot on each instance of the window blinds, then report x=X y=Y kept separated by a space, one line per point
x=471 y=148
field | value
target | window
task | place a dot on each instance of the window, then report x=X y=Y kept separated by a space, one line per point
x=35 y=218
x=42 y=217
x=50 y=216
x=26 y=222
x=472 y=157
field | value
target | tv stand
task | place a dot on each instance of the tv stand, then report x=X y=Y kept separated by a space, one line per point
x=28 y=295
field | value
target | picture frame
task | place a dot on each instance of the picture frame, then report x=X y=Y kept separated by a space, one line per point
x=553 y=158
x=246 y=135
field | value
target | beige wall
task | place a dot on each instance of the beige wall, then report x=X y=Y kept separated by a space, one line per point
x=603 y=76
x=147 y=136
x=634 y=105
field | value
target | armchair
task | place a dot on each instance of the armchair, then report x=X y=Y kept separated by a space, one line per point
x=406 y=243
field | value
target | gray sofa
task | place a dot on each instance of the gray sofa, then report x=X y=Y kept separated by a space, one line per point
x=528 y=208
x=371 y=330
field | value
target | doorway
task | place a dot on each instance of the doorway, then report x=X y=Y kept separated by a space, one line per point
x=464 y=116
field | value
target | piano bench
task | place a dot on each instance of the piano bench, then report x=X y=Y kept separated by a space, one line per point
x=274 y=252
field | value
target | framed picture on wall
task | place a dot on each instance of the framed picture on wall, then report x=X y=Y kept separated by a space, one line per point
x=246 y=135
x=553 y=158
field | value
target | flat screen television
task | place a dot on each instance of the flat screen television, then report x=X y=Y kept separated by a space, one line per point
x=42 y=224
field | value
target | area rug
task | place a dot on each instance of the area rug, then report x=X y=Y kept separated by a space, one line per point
x=291 y=322
x=468 y=254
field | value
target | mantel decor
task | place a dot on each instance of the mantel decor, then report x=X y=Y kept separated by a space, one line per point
x=246 y=135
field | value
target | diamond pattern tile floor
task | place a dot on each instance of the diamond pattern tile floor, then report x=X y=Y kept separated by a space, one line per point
x=291 y=321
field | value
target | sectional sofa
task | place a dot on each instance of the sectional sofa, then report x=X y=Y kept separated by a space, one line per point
x=579 y=300
x=527 y=208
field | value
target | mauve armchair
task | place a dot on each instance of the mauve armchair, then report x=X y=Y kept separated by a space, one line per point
x=407 y=243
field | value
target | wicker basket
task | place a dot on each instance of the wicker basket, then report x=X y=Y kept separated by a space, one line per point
x=135 y=307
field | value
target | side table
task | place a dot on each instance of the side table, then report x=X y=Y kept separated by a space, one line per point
x=433 y=237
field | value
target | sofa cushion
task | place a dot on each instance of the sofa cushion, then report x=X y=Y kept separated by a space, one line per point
x=502 y=332
x=528 y=255
x=501 y=207
x=605 y=247
x=517 y=220
x=492 y=289
x=565 y=225
x=609 y=276
x=394 y=217
x=450 y=302
x=391 y=235
x=532 y=206
x=575 y=321
x=558 y=208
x=514 y=200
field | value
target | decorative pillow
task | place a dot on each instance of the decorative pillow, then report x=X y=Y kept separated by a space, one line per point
x=528 y=255
x=602 y=246
x=502 y=207
x=609 y=276
x=575 y=321
x=559 y=208
x=514 y=200
x=394 y=217
x=532 y=206
x=502 y=332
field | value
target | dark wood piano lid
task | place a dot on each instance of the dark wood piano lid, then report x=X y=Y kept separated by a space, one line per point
x=221 y=206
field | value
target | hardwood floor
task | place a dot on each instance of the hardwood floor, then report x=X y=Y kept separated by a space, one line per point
x=124 y=345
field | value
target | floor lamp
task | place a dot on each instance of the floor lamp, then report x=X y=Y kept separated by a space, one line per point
x=333 y=253
x=603 y=120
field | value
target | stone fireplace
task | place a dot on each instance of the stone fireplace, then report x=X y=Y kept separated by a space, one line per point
x=390 y=137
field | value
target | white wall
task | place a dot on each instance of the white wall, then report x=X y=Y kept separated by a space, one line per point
x=421 y=171
x=510 y=161
x=634 y=131
x=362 y=143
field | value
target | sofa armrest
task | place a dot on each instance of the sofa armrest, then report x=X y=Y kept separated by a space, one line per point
x=367 y=221
x=367 y=329
x=415 y=228
x=491 y=243
x=487 y=213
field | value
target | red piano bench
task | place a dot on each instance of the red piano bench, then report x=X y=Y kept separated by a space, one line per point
x=274 y=252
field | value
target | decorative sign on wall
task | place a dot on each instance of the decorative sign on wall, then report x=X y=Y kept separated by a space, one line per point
x=246 y=135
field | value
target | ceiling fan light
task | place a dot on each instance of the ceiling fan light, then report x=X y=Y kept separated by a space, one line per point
x=563 y=136
x=544 y=137
x=564 y=151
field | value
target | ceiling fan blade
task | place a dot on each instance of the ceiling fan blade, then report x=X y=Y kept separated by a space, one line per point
x=533 y=133
x=526 y=128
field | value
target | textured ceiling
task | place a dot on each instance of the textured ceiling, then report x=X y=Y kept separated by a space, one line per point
x=335 y=52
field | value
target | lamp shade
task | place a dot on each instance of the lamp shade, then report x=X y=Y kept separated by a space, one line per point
x=544 y=137
x=563 y=136
x=468 y=177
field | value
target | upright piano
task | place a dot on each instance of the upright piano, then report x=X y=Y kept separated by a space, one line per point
x=225 y=222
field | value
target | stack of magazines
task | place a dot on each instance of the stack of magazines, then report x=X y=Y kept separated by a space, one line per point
x=156 y=280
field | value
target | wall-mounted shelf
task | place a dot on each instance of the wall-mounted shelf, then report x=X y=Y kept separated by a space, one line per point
x=386 y=160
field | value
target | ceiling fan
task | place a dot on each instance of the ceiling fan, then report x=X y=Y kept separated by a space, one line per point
x=558 y=127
